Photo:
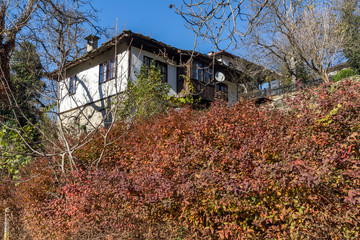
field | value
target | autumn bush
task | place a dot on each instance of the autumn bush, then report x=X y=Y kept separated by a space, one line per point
x=227 y=172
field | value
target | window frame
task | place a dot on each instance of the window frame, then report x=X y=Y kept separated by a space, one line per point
x=161 y=65
x=107 y=70
x=209 y=75
x=201 y=72
x=223 y=90
x=72 y=84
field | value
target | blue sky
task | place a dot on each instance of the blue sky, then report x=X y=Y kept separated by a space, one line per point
x=152 y=18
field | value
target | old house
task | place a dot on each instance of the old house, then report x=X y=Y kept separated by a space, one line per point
x=92 y=81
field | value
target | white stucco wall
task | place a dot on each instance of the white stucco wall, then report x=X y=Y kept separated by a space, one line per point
x=225 y=60
x=137 y=56
x=88 y=89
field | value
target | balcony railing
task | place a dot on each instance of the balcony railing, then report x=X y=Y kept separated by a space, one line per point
x=258 y=93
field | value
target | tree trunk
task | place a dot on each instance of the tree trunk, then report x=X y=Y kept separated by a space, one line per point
x=293 y=70
x=5 y=83
x=325 y=77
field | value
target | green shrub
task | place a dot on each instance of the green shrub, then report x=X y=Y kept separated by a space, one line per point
x=148 y=95
x=344 y=74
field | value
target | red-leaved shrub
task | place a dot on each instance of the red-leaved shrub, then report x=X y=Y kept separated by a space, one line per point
x=227 y=172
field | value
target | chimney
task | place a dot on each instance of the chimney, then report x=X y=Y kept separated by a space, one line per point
x=92 y=42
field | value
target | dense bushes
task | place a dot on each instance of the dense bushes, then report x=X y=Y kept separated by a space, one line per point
x=344 y=74
x=233 y=172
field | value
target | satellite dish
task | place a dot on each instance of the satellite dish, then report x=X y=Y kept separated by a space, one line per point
x=219 y=76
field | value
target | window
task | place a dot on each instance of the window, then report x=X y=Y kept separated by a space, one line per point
x=72 y=85
x=197 y=69
x=209 y=75
x=201 y=72
x=162 y=67
x=107 y=71
x=222 y=91
x=163 y=70
x=147 y=61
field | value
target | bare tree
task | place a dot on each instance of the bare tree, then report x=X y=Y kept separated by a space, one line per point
x=10 y=25
x=221 y=21
x=318 y=39
x=296 y=33
x=56 y=28
x=60 y=38
x=20 y=17
x=290 y=31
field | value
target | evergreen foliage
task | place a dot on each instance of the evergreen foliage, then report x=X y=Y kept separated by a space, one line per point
x=17 y=131
x=26 y=78
x=344 y=73
x=351 y=23
x=301 y=72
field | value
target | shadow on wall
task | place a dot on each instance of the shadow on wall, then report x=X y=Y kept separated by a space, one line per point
x=95 y=113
